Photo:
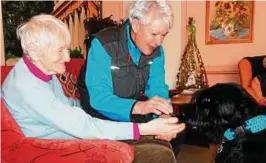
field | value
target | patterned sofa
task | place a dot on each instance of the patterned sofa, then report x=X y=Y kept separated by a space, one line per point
x=15 y=147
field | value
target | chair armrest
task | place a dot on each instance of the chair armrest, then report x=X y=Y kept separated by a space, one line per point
x=60 y=150
x=256 y=86
x=245 y=72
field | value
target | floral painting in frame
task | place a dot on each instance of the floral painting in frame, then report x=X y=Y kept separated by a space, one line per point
x=229 y=21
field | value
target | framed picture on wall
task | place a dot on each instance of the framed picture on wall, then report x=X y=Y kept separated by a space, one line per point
x=229 y=22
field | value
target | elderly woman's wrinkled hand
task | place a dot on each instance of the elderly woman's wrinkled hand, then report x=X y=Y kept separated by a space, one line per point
x=162 y=126
x=166 y=137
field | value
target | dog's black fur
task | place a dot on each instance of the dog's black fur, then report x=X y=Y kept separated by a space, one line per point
x=223 y=106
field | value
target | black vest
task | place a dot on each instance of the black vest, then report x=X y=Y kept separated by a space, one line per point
x=256 y=65
x=129 y=80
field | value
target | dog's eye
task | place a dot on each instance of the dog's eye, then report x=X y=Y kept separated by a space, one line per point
x=205 y=100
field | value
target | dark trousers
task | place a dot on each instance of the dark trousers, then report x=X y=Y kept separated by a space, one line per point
x=150 y=150
x=177 y=142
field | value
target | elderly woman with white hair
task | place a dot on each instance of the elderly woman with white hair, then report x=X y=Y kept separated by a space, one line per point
x=36 y=100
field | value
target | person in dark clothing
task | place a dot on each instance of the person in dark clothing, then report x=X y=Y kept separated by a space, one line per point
x=124 y=76
x=258 y=83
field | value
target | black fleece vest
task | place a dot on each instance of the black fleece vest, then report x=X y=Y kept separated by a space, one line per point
x=129 y=80
x=256 y=65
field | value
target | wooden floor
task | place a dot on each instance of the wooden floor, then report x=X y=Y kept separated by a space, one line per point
x=196 y=154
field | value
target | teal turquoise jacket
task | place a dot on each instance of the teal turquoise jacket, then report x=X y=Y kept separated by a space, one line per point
x=98 y=80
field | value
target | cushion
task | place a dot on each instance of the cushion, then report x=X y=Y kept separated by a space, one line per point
x=68 y=82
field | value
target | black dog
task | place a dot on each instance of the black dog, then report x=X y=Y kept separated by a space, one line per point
x=214 y=110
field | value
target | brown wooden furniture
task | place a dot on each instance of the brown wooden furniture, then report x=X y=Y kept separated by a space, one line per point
x=180 y=99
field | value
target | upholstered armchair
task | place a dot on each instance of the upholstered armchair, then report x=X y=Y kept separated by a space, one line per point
x=15 y=147
x=252 y=72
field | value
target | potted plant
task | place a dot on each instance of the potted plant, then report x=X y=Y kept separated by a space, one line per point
x=76 y=53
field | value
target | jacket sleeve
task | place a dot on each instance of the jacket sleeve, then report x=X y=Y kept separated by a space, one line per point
x=74 y=102
x=70 y=119
x=156 y=85
x=99 y=83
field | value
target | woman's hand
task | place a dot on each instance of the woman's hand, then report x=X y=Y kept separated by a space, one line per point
x=162 y=127
x=165 y=137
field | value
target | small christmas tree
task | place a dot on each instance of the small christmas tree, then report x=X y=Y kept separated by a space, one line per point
x=192 y=74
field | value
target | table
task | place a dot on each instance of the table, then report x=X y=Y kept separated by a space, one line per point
x=180 y=99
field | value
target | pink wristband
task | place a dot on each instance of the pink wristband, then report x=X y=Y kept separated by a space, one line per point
x=136 y=131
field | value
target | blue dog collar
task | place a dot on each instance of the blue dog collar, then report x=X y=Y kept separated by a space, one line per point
x=253 y=125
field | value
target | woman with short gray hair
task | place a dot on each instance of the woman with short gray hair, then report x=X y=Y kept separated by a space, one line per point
x=42 y=33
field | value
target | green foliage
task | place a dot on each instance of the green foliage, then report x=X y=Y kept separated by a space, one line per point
x=9 y=55
x=16 y=12
x=95 y=24
x=76 y=53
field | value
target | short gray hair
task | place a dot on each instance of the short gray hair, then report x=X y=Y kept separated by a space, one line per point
x=42 y=32
x=138 y=10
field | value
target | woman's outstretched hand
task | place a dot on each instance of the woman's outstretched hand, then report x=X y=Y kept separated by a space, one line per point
x=162 y=127
x=166 y=137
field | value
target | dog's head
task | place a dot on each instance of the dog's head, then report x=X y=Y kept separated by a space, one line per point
x=213 y=110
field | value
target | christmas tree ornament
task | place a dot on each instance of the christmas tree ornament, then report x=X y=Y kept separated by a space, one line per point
x=192 y=74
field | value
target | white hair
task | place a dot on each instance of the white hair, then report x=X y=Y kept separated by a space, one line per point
x=139 y=9
x=42 y=32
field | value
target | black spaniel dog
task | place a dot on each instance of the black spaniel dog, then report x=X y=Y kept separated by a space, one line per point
x=227 y=115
